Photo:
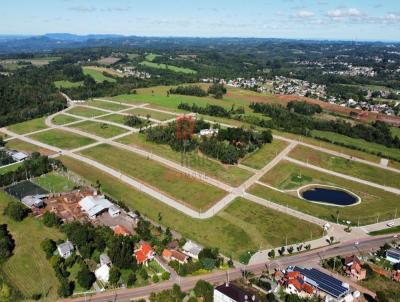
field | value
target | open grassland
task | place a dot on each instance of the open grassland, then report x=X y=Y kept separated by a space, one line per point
x=99 y=129
x=358 y=143
x=192 y=192
x=54 y=182
x=67 y=84
x=232 y=236
x=265 y=154
x=28 y=270
x=97 y=74
x=106 y=105
x=85 y=112
x=62 y=139
x=168 y=67
x=28 y=126
x=9 y=168
x=345 y=166
x=375 y=203
x=151 y=56
x=116 y=118
x=229 y=174
x=62 y=119
x=161 y=116
x=19 y=145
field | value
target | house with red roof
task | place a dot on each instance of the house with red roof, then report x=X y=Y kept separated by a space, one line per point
x=144 y=253
x=121 y=230
x=171 y=255
x=294 y=284
x=353 y=268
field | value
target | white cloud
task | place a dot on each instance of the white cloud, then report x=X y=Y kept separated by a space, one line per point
x=83 y=9
x=392 y=17
x=304 y=14
x=346 y=13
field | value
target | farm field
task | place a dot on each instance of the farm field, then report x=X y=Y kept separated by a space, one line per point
x=54 y=182
x=192 y=192
x=67 y=84
x=28 y=126
x=99 y=129
x=161 y=116
x=27 y=147
x=287 y=176
x=62 y=119
x=344 y=166
x=229 y=174
x=235 y=241
x=85 y=112
x=13 y=167
x=21 y=271
x=97 y=74
x=264 y=155
x=62 y=139
x=106 y=105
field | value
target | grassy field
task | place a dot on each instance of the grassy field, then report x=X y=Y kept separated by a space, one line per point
x=96 y=74
x=193 y=193
x=358 y=143
x=85 y=112
x=116 y=118
x=28 y=270
x=168 y=67
x=106 y=105
x=27 y=147
x=151 y=56
x=28 y=126
x=232 y=238
x=161 y=116
x=4 y=170
x=67 y=84
x=229 y=174
x=375 y=203
x=344 y=166
x=63 y=119
x=395 y=131
x=264 y=155
x=62 y=139
x=99 y=129
x=391 y=230
x=54 y=182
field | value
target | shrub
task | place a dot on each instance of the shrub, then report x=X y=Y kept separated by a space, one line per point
x=16 y=210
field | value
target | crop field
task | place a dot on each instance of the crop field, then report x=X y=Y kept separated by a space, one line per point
x=229 y=174
x=344 y=166
x=161 y=116
x=236 y=238
x=19 y=145
x=54 y=182
x=99 y=129
x=67 y=84
x=62 y=139
x=28 y=270
x=85 y=112
x=62 y=119
x=264 y=155
x=375 y=203
x=28 y=126
x=106 y=105
x=192 y=192
x=97 y=74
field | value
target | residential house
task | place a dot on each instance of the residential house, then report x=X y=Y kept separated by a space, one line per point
x=393 y=255
x=229 y=292
x=65 y=249
x=171 y=255
x=144 y=253
x=353 y=268
x=295 y=284
x=103 y=273
x=192 y=249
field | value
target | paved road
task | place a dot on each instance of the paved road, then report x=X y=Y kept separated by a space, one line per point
x=305 y=259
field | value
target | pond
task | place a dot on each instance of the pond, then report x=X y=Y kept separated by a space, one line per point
x=330 y=196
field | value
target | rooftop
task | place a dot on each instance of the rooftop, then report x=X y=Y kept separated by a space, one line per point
x=236 y=293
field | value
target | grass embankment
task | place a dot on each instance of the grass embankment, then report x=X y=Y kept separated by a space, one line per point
x=97 y=74
x=99 y=129
x=232 y=175
x=62 y=119
x=375 y=204
x=391 y=230
x=161 y=116
x=192 y=192
x=67 y=84
x=236 y=230
x=28 y=147
x=28 y=126
x=62 y=139
x=54 y=182
x=264 y=155
x=345 y=166
x=85 y=112
x=28 y=270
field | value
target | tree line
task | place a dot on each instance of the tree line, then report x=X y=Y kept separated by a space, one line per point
x=212 y=110
x=193 y=90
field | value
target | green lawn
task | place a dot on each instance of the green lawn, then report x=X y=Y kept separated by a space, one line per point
x=97 y=75
x=231 y=237
x=232 y=175
x=374 y=202
x=27 y=147
x=116 y=118
x=344 y=166
x=4 y=170
x=192 y=192
x=161 y=116
x=265 y=154
x=54 y=182
x=106 y=105
x=67 y=84
x=28 y=270
x=62 y=139
x=63 y=119
x=28 y=126
x=151 y=56
x=85 y=112
x=99 y=129
x=168 y=67
x=395 y=131
x=391 y=230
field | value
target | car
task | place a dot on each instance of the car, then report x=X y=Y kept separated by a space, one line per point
x=390 y=224
x=356 y=243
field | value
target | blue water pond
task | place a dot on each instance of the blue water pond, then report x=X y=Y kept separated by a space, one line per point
x=330 y=196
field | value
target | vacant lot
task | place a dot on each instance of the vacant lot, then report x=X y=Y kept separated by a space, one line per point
x=62 y=139
x=192 y=192
x=161 y=116
x=116 y=118
x=67 y=84
x=229 y=174
x=97 y=74
x=28 y=126
x=99 y=129
x=233 y=238
x=54 y=182
x=28 y=270
x=348 y=167
x=62 y=119
x=375 y=203
x=265 y=154
x=106 y=105
x=85 y=112
x=27 y=147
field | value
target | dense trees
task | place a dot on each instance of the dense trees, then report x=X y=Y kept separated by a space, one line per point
x=304 y=107
x=194 y=90
x=121 y=251
x=5 y=158
x=86 y=278
x=213 y=110
x=170 y=295
x=16 y=210
x=48 y=246
x=218 y=90
x=114 y=276
x=51 y=219
x=204 y=290
x=7 y=243
x=133 y=121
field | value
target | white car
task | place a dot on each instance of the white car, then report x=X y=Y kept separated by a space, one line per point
x=390 y=224
x=356 y=243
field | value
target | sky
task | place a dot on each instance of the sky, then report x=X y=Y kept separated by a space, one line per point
x=298 y=19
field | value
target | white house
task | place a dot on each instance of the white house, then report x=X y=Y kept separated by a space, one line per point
x=103 y=273
x=228 y=292
x=65 y=249
x=208 y=132
x=192 y=249
x=393 y=255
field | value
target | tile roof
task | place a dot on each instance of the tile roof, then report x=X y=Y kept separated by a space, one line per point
x=120 y=230
x=143 y=253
